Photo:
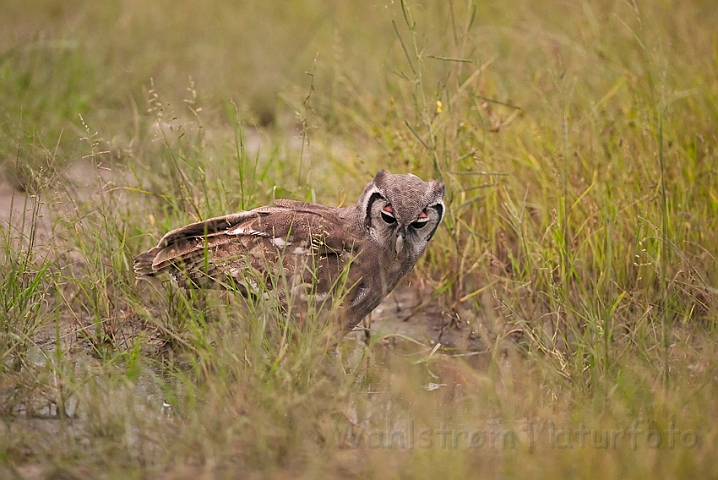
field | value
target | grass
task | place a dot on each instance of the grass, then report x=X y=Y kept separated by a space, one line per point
x=577 y=142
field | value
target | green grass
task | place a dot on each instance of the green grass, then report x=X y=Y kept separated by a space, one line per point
x=578 y=146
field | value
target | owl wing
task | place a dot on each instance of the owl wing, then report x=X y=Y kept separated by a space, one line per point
x=184 y=242
x=243 y=249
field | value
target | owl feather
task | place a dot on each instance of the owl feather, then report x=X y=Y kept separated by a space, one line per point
x=365 y=248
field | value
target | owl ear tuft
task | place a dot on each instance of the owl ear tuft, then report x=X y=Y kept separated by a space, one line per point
x=380 y=176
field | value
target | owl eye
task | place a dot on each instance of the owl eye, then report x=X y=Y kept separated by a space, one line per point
x=421 y=221
x=387 y=214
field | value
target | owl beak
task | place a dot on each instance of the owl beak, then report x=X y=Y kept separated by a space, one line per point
x=399 y=246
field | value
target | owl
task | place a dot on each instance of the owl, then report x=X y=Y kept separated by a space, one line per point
x=355 y=255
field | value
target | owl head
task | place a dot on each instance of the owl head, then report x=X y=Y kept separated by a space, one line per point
x=402 y=212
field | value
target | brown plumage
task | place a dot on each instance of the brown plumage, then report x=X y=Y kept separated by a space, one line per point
x=313 y=251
